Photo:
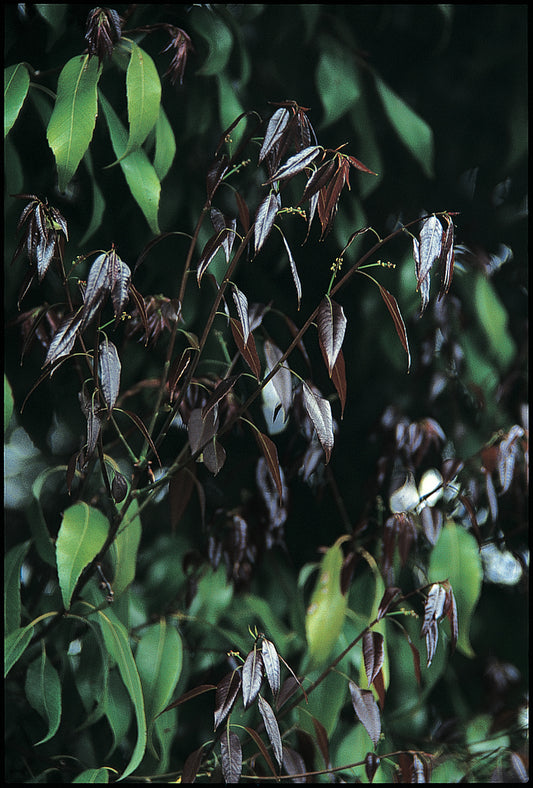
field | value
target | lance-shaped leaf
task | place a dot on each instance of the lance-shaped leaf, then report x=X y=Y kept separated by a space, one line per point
x=447 y=258
x=212 y=246
x=214 y=456
x=241 y=302
x=226 y=692
x=252 y=676
x=143 y=88
x=433 y=610
x=426 y=250
x=319 y=411
x=192 y=765
x=120 y=288
x=82 y=534
x=231 y=755
x=271 y=663
x=90 y=406
x=318 y=180
x=325 y=615
x=331 y=328
x=201 y=430
x=275 y=130
x=16 y=84
x=338 y=377
x=366 y=711
x=271 y=727
x=265 y=217
x=296 y=163
x=223 y=388
x=282 y=379
x=373 y=654
x=97 y=288
x=109 y=373
x=294 y=764
x=294 y=272
x=270 y=453
x=72 y=122
x=399 y=325
x=387 y=599
x=64 y=338
x=228 y=226
x=247 y=350
x=450 y=611
x=43 y=691
x=371 y=765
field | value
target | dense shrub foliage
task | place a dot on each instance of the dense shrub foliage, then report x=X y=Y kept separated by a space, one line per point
x=266 y=424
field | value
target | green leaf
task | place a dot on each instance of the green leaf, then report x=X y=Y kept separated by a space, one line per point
x=159 y=659
x=165 y=145
x=93 y=776
x=456 y=557
x=15 y=645
x=12 y=564
x=98 y=203
x=218 y=37
x=230 y=108
x=326 y=611
x=43 y=691
x=81 y=536
x=143 y=89
x=337 y=81
x=71 y=126
x=123 y=551
x=117 y=644
x=138 y=171
x=493 y=318
x=117 y=709
x=413 y=131
x=8 y=403
x=16 y=84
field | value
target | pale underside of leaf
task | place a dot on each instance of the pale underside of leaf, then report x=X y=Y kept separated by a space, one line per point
x=319 y=411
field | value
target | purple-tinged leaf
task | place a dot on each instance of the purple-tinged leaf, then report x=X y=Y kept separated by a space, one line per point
x=244 y=213
x=322 y=740
x=271 y=664
x=507 y=454
x=447 y=258
x=226 y=692
x=192 y=765
x=201 y=430
x=210 y=249
x=271 y=727
x=91 y=410
x=426 y=251
x=359 y=165
x=44 y=254
x=434 y=607
x=270 y=453
x=373 y=654
x=178 y=369
x=450 y=609
x=296 y=163
x=200 y=690
x=265 y=217
x=331 y=323
x=241 y=302
x=371 y=765
x=248 y=351
x=231 y=752
x=287 y=690
x=338 y=376
x=109 y=368
x=97 y=288
x=119 y=487
x=64 y=338
x=225 y=226
x=141 y=427
x=179 y=493
x=214 y=456
x=387 y=599
x=215 y=175
x=294 y=272
x=399 y=325
x=318 y=180
x=223 y=388
x=294 y=764
x=275 y=129
x=282 y=380
x=141 y=309
x=432 y=638
x=262 y=749
x=366 y=711
x=319 y=411
x=252 y=676
x=120 y=291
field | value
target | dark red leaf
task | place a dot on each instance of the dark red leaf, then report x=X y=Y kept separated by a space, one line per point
x=200 y=430
x=178 y=368
x=359 y=165
x=244 y=214
x=226 y=692
x=338 y=376
x=296 y=163
x=270 y=453
x=318 y=180
x=331 y=323
x=120 y=291
x=373 y=654
x=119 y=487
x=265 y=217
x=322 y=740
x=275 y=130
x=386 y=601
x=294 y=764
x=241 y=302
x=192 y=765
x=263 y=750
x=97 y=288
x=399 y=325
x=271 y=727
x=64 y=338
x=252 y=676
x=371 y=765
x=282 y=380
x=212 y=246
x=226 y=226
x=223 y=388
x=447 y=257
x=139 y=424
x=141 y=309
x=366 y=711
x=215 y=175
x=231 y=752
x=109 y=368
x=200 y=690
x=247 y=350
x=319 y=411
x=179 y=493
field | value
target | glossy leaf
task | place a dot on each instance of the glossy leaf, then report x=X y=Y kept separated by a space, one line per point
x=247 y=349
x=318 y=180
x=325 y=615
x=271 y=727
x=252 y=676
x=231 y=756
x=262 y=748
x=294 y=764
x=192 y=765
x=338 y=376
x=265 y=218
x=294 y=272
x=225 y=226
x=371 y=765
x=13 y=560
x=140 y=174
x=331 y=323
x=366 y=711
x=319 y=411
x=447 y=256
x=123 y=551
x=213 y=245
x=275 y=130
x=296 y=163
x=226 y=692
x=388 y=598
x=64 y=338
x=71 y=125
x=373 y=654
x=271 y=664
x=97 y=287
x=143 y=89
x=270 y=453
x=109 y=373
x=15 y=644
x=120 y=288
x=456 y=557
x=43 y=691
x=82 y=534
x=426 y=250
x=241 y=302
x=281 y=381
x=399 y=325
x=16 y=84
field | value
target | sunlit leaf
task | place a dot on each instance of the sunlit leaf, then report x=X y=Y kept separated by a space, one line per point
x=366 y=710
x=71 y=125
x=123 y=551
x=325 y=615
x=143 y=89
x=319 y=411
x=252 y=676
x=165 y=145
x=15 y=645
x=16 y=84
x=81 y=536
x=271 y=727
x=231 y=756
x=331 y=323
x=426 y=250
x=43 y=691
x=265 y=217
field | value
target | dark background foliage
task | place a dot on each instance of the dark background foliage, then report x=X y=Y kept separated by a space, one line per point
x=463 y=69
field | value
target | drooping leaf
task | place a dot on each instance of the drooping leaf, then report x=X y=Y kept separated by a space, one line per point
x=426 y=250
x=294 y=272
x=13 y=560
x=322 y=740
x=15 y=644
x=318 y=180
x=371 y=765
x=120 y=289
x=142 y=428
x=64 y=338
x=388 y=598
x=399 y=325
x=231 y=755
x=294 y=764
x=109 y=373
x=319 y=411
x=373 y=654
x=275 y=129
x=165 y=145
x=447 y=257
x=338 y=376
x=262 y=748
x=97 y=288
x=200 y=690
x=212 y=28
x=265 y=217
x=281 y=381
x=271 y=727
x=209 y=251
x=82 y=534
x=214 y=456
x=143 y=89
x=270 y=453
x=71 y=125
x=325 y=615
x=123 y=551
x=140 y=174
x=43 y=691
x=226 y=692
x=366 y=711
x=331 y=323
x=241 y=302
x=252 y=676
x=192 y=765
x=271 y=663
x=226 y=226
x=200 y=430
x=296 y=163
x=247 y=349
x=16 y=84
